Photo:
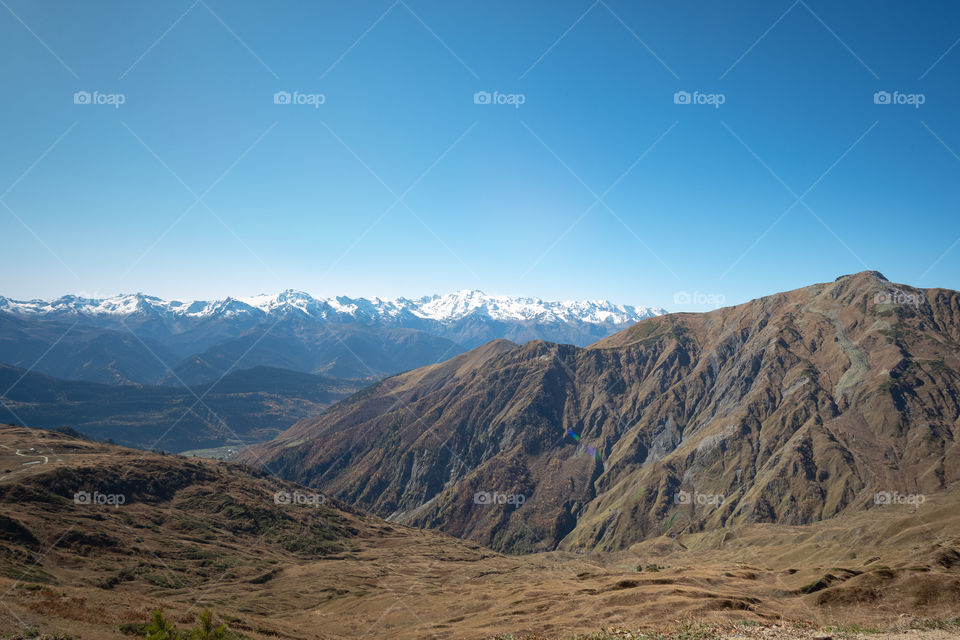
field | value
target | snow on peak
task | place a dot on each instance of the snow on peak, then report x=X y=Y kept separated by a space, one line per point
x=444 y=309
x=462 y=303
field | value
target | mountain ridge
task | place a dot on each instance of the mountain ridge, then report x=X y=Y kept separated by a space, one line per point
x=794 y=407
x=145 y=340
x=441 y=308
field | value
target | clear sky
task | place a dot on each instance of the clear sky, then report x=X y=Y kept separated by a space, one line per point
x=599 y=185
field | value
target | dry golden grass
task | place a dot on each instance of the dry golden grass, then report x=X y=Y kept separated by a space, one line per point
x=219 y=541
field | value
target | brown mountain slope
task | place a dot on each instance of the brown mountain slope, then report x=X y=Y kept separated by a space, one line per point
x=189 y=534
x=791 y=408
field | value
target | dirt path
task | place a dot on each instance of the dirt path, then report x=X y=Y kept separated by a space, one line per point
x=26 y=465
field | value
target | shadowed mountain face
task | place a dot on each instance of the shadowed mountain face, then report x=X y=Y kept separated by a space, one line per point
x=77 y=350
x=246 y=406
x=792 y=408
x=339 y=350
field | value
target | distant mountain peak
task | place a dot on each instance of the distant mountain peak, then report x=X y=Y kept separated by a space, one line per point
x=445 y=308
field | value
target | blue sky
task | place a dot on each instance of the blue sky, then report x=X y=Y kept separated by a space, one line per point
x=597 y=186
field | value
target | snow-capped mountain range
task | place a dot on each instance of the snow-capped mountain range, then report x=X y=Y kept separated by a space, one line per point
x=444 y=309
x=142 y=339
